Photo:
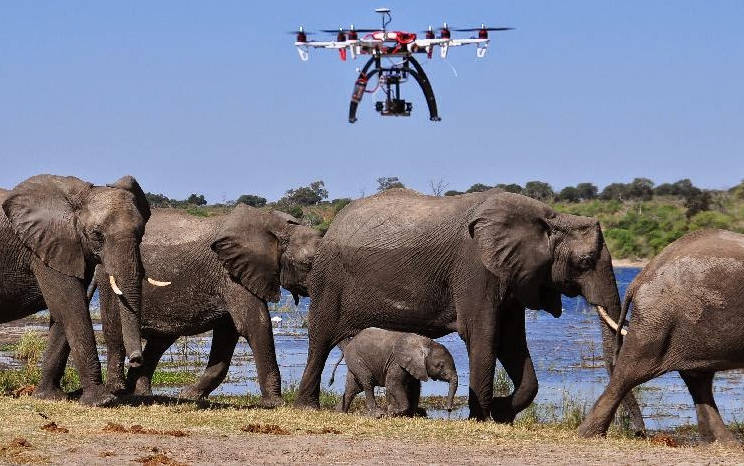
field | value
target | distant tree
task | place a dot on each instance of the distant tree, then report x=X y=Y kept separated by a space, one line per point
x=569 y=194
x=641 y=189
x=158 y=200
x=666 y=189
x=196 y=199
x=478 y=188
x=251 y=200
x=305 y=195
x=511 y=188
x=388 y=182
x=339 y=204
x=293 y=210
x=614 y=191
x=696 y=200
x=587 y=191
x=452 y=192
x=538 y=190
x=738 y=190
x=438 y=186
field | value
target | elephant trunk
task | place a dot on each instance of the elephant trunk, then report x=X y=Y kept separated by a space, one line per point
x=122 y=262
x=452 y=391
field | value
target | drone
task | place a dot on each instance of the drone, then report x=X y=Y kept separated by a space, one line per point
x=382 y=44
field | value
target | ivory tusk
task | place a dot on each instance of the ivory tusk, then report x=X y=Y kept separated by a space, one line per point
x=113 y=285
x=156 y=282
x=606 y=317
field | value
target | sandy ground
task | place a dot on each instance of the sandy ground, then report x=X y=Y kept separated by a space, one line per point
x=330 y=448
x=188 y=434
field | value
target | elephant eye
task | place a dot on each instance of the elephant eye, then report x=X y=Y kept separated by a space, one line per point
x=96 y=238
x=585 y=262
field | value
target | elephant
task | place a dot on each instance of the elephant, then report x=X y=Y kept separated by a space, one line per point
x=223 y=271
x=688 y=316
x=470 y=264
x=397 y=361
x=54 y=230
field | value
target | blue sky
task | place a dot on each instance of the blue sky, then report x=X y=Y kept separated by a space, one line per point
x=211 y=97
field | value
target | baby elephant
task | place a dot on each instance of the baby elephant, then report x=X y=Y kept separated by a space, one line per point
x=397 y=361
x=688 y=316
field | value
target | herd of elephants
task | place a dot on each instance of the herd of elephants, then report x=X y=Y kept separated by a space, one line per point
x=393 y=271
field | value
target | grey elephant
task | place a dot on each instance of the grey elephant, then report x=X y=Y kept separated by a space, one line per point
x=222 y=270
x=469 y=264
x=54 y=230
x=397 y=361
x=688 y=316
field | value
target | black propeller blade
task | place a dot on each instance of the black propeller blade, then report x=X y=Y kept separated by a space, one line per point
x=346 y=31
x=299 y=31
x=483 y=29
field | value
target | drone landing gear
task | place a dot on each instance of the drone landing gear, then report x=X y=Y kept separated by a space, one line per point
x=392 y=78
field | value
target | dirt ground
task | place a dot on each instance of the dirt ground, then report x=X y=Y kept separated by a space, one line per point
x=32 y=431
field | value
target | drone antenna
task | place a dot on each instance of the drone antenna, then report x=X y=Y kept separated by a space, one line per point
x=386 y=18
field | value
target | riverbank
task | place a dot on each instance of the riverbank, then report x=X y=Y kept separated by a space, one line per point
x=194 y=433
x=630 y=263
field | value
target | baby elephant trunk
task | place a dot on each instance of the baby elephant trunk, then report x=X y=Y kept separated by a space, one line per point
x=452 y=391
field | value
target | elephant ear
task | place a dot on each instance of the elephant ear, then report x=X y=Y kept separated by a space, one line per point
x=410 y=352
x=128 y=183
x=250 y=250
x=43 y=213
x=512 y=234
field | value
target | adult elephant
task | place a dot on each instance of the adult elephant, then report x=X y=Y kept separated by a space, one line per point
x=688 y=316
x=54 y=230
x=223 y=270
x=469 y=264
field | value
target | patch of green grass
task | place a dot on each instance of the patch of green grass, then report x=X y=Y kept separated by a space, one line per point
x=8 y=347
x=30 y=347
x=173 y=378
x=502 y=384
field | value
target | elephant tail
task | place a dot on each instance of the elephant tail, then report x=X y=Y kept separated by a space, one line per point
x=333 y=374
x=627 y=301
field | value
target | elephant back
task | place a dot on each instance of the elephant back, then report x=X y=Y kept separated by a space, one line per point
x=169 y=227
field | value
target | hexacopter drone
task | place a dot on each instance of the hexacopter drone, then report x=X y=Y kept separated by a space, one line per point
x=381 y=43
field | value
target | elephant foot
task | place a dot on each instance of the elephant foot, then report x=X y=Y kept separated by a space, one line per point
x=301 y=403
x=420 y=412
x=192 y=392
x=502 y=411
x=97 y=395
x=142 y=387
x=50 y=393
x=589 y=429
x=118 y=388
x=377 y=413
x=270 y=402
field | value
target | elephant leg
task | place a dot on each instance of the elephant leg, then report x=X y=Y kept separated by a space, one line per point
x=413 y=393
x=322 y=338
x=515 y=357
x=251 y=318
x=353 y=388
x=480 y=340
x=629 y=404
x=396 y=390
x=224 y=339
x=636 y=364
x=710 y=424
x=66 y=299
x=139 y=379
x=53 y=364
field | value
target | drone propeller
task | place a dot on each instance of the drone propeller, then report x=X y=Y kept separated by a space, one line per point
x=300 y=31
x=351 y=29
x=483 y=28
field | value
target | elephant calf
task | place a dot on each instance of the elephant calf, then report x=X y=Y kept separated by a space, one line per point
x=397 y=361
x=688 y=316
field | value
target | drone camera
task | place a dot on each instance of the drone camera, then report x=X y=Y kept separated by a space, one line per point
x=394 y=107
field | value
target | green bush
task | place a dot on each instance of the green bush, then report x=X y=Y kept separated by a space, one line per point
x=710 y=219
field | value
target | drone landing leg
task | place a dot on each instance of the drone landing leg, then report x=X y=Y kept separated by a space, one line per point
x=425 y=84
